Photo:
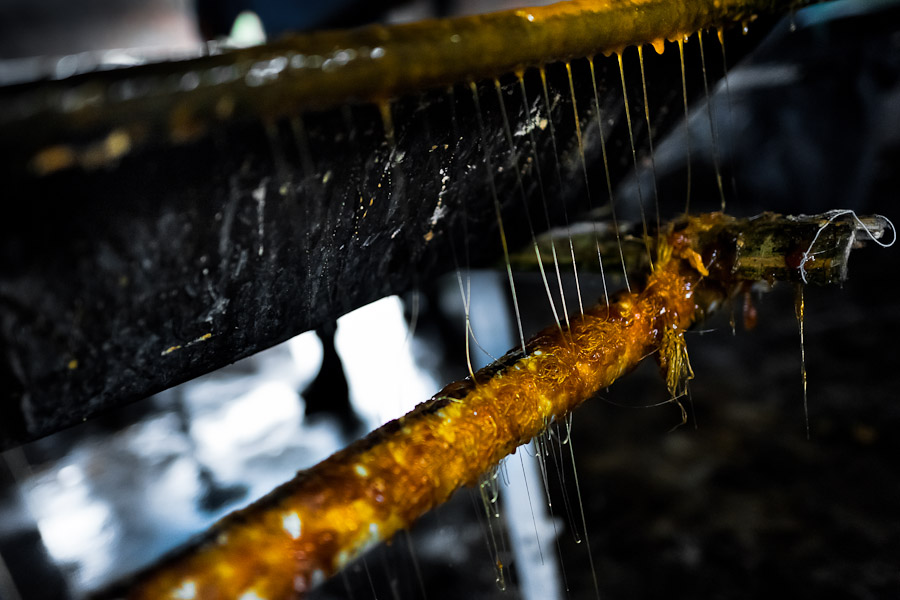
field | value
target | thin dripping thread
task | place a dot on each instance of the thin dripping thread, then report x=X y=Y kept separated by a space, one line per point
x=515 y=157
x=640 y=50
x=559 y=463
x=634 y=160
x=587 y=539
x=464 y=290
x=488 y=534
x=466 y=293
x=800 y=309
x=543 y=73
x=687 y=128
x=537 y=537
x=544 y=204
x=540 y=443
x=713 y=130
x=721 y=37
x=609 y=190
x=587 y=186
x=490 y=172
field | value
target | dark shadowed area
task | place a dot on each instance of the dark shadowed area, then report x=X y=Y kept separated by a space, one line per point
x=736 y=503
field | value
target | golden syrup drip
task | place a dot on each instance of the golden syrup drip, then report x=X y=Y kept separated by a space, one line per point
x=721 y=37
x=587 y=539
x=584 y=170
x=541 y=442
x=465 y=289
x=379 y=485
x=559 y=462
x=537 y=537
x=326 y=69
x=713 y=130
x=634 y=159
x=515 y=156
x=520 y=76
x=609 y=190
x=543 y=73
x=488 y=491
x=469 y=331
x=546 y=94
x=800 y=309
x=578 y=131
x=490 y=171
x=687 y=128
x=640 y=50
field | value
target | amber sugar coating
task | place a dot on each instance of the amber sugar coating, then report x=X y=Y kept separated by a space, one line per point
x=312 y=526
x=319 y=70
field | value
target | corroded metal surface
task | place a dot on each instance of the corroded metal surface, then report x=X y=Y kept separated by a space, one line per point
x=312 y=526
x=143 y=248
x=92 y=120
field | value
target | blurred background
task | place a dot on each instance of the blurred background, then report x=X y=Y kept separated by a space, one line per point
x=736 y=503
